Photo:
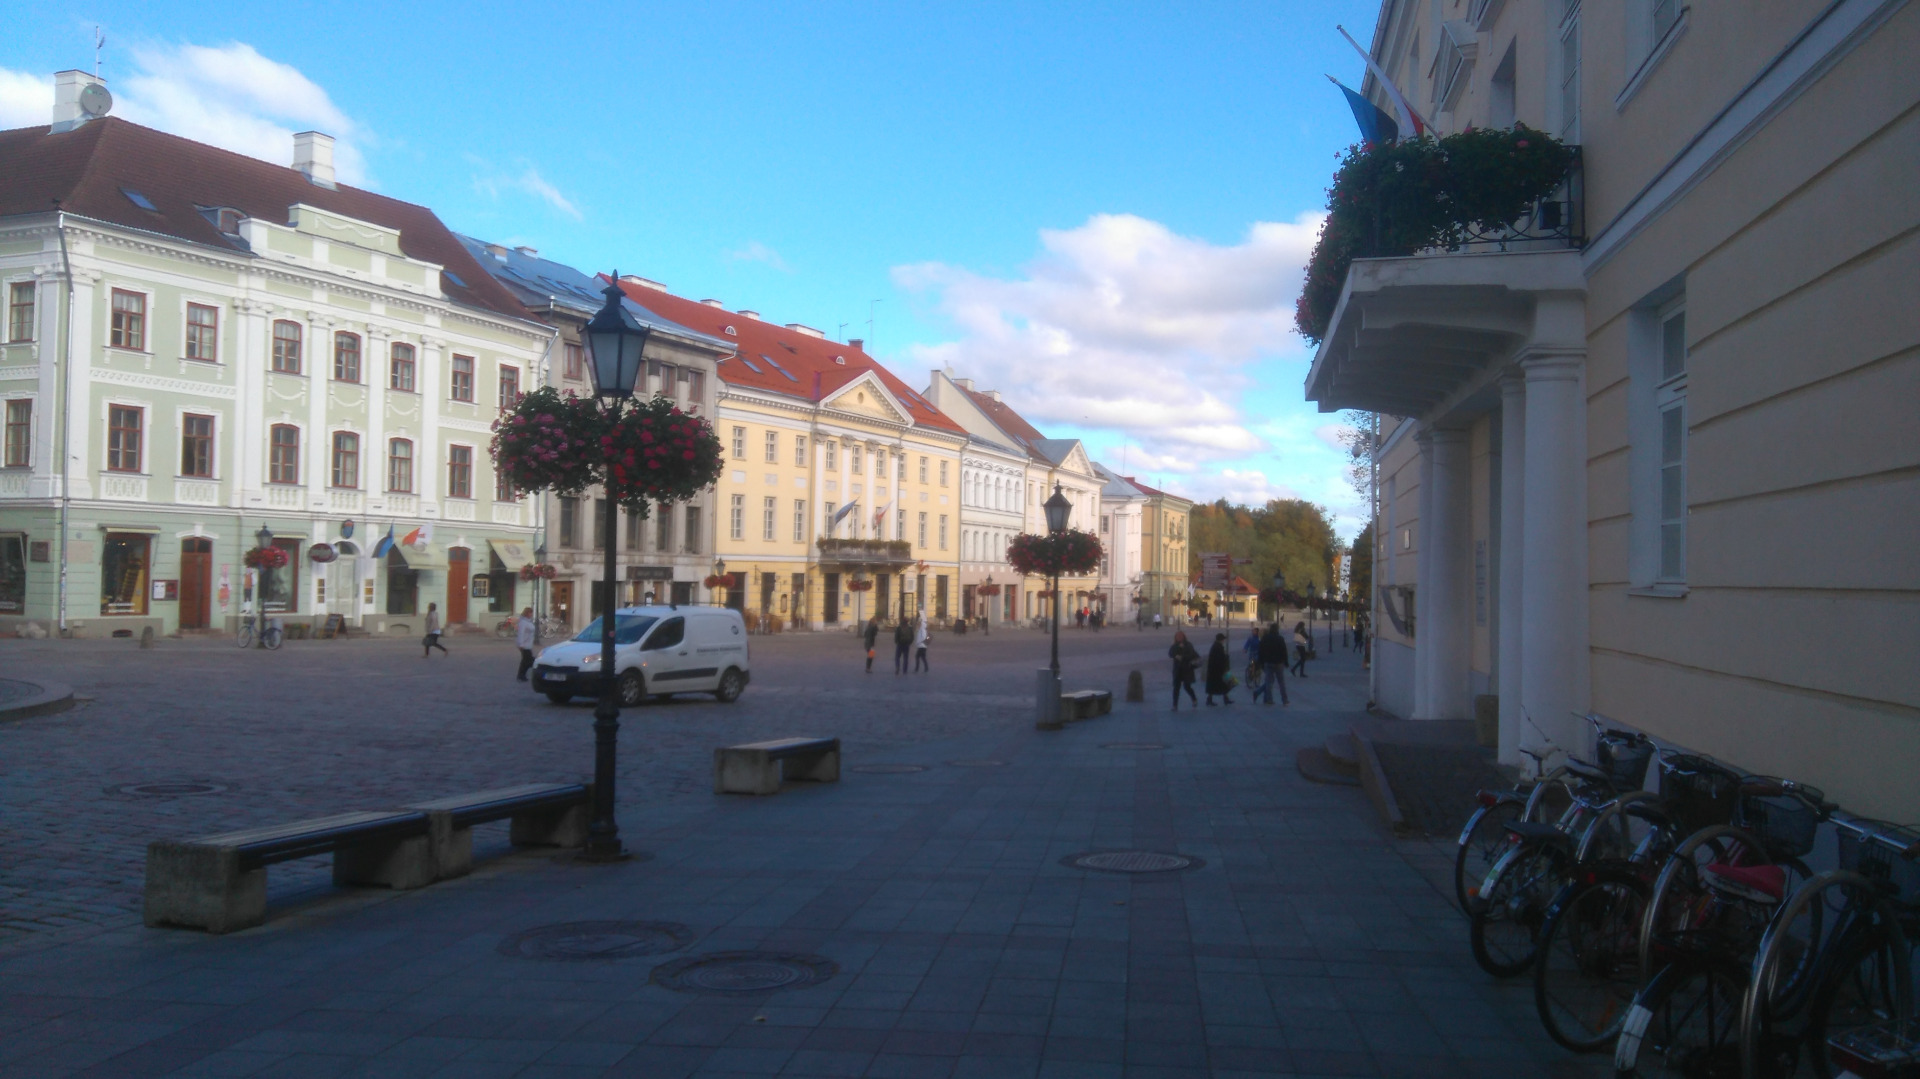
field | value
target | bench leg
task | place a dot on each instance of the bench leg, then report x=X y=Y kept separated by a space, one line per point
x=202 y=888
x=452 y=847
x=745 y=771
x=396 y=863
x=818 y=767
x=564 y=827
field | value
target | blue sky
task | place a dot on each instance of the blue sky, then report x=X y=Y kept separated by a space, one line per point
x=1101 y=210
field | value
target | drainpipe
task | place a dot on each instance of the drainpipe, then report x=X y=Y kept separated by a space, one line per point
x=66 y=411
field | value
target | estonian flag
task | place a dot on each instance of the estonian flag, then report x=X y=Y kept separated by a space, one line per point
x=1376 y=126
x=381 y=548
x=843 y=511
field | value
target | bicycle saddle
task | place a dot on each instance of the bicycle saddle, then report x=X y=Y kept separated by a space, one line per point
x=1587 y=772
x=1760 y=883
x=1539 y=832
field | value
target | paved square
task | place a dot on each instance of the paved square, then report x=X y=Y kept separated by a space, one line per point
x=1302 y=941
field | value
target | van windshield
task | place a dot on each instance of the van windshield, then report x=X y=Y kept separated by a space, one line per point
x=628 y=629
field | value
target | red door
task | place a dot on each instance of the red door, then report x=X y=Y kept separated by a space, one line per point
x=457 y=577
x=196 y=581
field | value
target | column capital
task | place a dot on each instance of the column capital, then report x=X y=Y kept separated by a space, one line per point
x=1552 y=363
x=1513 y=383
x=1440 y=436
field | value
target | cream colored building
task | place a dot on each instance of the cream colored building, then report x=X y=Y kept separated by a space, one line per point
x=1663 y=467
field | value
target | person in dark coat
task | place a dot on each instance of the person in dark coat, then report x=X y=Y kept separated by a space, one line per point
x=1273 y=664
x=1301 y=643
x=1185 y=662
x=1219 y=669
x=902 y=645
x=871 y=634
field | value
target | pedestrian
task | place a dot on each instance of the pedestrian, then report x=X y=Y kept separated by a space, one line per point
x=1273 y=663
x=872 y=634
x=1359 y=634
x=525 y=632
x=1252 y=649
x=920 y=647
x=432 y=640
x=1156 y=620
x=1300 y=646
x=902 y=643
x=1185 y=662
x=1219 y=671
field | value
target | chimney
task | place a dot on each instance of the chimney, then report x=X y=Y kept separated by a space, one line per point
x=636 y=279
x=995 y=394
x=528 y=251
x=313 y=157
x=964 y=383
x=714 y=303
x=856 y=343
x=67 y=85
x=754 y=315
x=808 y=330
x=499 y=253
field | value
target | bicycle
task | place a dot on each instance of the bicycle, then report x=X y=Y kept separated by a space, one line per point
x=271 y=635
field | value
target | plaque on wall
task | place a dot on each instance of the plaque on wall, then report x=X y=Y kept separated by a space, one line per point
x=166 y=589
x=40 y=551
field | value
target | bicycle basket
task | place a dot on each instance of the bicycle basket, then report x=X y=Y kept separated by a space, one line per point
x=1698 y=792
x=1876 y=861
x=1624 y=757
x=1785 y=824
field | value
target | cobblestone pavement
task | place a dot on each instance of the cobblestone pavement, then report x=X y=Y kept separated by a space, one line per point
x=1308 y=942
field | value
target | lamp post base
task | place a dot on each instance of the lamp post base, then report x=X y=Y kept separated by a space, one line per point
x=1046 y=700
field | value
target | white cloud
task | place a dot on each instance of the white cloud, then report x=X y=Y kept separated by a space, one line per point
x=755 y=251
x=25 y=100
x=530 y=182
x=1121 y=324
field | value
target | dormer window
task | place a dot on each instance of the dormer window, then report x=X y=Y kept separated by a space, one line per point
x=225 y=218
x=731 y=332
x=841 y=360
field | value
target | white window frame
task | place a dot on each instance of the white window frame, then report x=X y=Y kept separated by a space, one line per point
x=737 y=516
x=799 y=520
x=769 y=510
x=1658 y=428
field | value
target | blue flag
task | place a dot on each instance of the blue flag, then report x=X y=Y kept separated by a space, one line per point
x=386 y=544
x=1375 y=125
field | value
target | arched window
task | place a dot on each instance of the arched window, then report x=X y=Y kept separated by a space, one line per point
x=346 y=357
x=286 y=347
x=283 y=454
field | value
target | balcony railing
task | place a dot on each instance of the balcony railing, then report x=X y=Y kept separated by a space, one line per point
x=1557 y=221
x=866 y=551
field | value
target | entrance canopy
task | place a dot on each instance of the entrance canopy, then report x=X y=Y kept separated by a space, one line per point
x=424 y=556
x=512 y=553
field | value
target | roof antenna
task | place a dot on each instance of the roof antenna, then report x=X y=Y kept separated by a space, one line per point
x=99 y=42
x=869 y=341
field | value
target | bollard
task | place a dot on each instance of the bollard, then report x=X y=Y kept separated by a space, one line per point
x=146 y=637
x=1136 y=687
x=1046 y=701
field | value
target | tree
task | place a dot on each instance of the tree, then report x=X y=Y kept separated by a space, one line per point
x=1287 y=534
x=1360 y=577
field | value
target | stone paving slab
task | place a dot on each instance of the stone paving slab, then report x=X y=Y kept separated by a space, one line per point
x=1308 y=943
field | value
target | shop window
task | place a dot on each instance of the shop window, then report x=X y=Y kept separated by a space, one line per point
x=346 y=357
x=203 y=332
x=124 y=430
x=400 y=466
x=129 y=327
x=403 y=585
x=286 y=347
x=13 y=573
x=125 y=562
x=19 y=436
x=283 y=454
x=400 y=367
x=196 y=446
x=280 y=586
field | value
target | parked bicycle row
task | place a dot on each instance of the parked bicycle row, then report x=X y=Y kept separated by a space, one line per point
x=1681 y=929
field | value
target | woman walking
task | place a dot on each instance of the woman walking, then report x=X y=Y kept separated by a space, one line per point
x=1185 y=662
x=920 y=647
x=1300 y=645
x=432 y=640
x=870 y=635
x=1219 y=670
x=1273 y=664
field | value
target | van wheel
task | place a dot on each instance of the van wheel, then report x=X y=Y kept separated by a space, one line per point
x=732 y=684
x=559 y=696
x=632 y=690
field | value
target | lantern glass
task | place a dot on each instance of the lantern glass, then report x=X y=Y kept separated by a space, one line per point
x=1058 y=510
x=264 y=536
x=615 y=340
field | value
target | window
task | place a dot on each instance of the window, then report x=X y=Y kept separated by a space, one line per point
x=286 y=347
x=283 y=454
x=19 y=433
x=768 y=511
x=196 y=446
x=576 y=362
x=923 y=528
x=346 y=459
x=129 y=320
x=943 y=473
x=635 y=526
x=503 y=489
x=13 y=573
x=853 y=460
x=1569 y=73
x=696 y=386
x=400 y=466
x=943 y=531
x=1665 y=14
x=899 y=524
x=20 y=311
x=463 y=378
x=125 y=561
x=693 y=530
x=799 y=520
x=346 y=357
x=459 y=472
x=600 y=524
x=832 y=453
x=509 y=387
x=124 y=426
x=400 y=367
x=1657 y=431
x=880 y=463
x=669 y=385
x=737 y=516
x=900 y=466
x=827 y=512
x=800 y=450
x=923 y=470
x=773 y=447
x=739 y=443
x=1103 y=524
x=1671 y=401
x=663 y=532
x=203 y=332
x=569 y=523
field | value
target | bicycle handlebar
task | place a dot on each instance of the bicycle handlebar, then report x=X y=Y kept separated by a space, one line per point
x=1864 y=830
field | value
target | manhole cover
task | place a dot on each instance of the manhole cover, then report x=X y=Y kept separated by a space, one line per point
x=596 y=940
x=977 y=764
x=743 y=972
x=1131 y=861
x=167 y=789
x=889 y=769
x=1133 y=745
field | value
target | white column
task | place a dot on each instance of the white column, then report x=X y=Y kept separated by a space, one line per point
x=1423 y=581
x=81 y=458
x=1553 y=609
x=50 y=293
x=1446 y=601
x=1513 y=457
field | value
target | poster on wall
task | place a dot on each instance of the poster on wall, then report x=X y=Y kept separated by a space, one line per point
x=225 y=592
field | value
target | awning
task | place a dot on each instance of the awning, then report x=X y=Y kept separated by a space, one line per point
x=512 y=553
x=424 y=556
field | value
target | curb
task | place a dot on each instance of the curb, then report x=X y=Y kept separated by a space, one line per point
x=1373 y=779
x=53 y=697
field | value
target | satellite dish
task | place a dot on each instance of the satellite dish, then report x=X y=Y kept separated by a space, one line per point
x=95 y=100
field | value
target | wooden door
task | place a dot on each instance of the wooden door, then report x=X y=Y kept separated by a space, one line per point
x=830 y=607
x=561 y=593
x=196 y=583
x=458 y=576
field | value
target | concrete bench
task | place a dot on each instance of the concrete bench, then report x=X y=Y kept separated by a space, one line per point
x=1085 y=704
x=219 y=882
x=543 y=814
x=755 y=768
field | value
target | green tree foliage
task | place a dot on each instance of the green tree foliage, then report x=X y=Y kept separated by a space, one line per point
x=1287 y=534
x=1361 y=558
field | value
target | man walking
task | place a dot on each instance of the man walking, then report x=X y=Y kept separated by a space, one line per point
x=524 y=632
x=872 y=635
x=1273 y=664
x=902 y=645
x=432 y=640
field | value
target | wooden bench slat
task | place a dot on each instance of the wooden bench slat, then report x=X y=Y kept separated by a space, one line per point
x=482 y=807
x=782 y=746
x=345 y=822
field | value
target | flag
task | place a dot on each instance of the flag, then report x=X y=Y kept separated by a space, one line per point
x=1409 y=120
x=880 y=518
x=381 y=548
x=841 y=513
x=1375 y=126
x=411 y=538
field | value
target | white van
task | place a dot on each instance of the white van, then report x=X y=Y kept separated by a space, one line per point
x=658 y=651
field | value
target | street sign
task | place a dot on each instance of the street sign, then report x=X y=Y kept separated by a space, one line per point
x=1216 y=570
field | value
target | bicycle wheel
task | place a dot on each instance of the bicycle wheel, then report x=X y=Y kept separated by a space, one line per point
x=1680 y=899
x=1684 y=1025
x=1588 y=969
x=1867 y=984
x=1505 y=932
x=1482 y=842
x=244 y=636
x=272 y=636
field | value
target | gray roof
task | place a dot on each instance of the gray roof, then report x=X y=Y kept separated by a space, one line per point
x=1114 y=486
x=539 y=283
x=1054 y=449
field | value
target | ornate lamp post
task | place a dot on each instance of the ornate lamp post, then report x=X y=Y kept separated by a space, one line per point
x=615 y=341
x=262 y=539
x=986 y=613
x=1058 y=510
x=719 y=570
x=1279 y=586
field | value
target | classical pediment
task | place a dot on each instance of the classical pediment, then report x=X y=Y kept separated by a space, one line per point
x=867 y=396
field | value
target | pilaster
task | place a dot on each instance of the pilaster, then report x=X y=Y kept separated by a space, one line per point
x=1445 y=603
x=1553 y=610
x=1513 y=457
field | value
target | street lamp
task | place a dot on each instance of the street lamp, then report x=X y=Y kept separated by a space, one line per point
x=719 y=570
x=986 y=612
x=1058 y=510
x=615 y=341
x=262 y=539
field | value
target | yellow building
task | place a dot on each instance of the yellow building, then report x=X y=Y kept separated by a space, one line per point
x=837 y=474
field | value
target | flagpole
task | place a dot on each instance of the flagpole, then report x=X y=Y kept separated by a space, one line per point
x=1409 y=120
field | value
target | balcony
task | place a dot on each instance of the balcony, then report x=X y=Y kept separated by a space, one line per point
x=506 y=513
x=286 y=496
x=196 y=492
x=345 y=500
x=866 y=552
x=123 y=486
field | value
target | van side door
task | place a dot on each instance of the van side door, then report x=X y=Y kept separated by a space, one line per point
x=666 y=656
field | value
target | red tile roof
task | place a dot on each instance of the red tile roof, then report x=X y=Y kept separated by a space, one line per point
x=815 y=363
x=90 y=168
x=1151 y=490
x=1004 y=417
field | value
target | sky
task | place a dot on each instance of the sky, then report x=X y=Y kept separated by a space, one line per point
x=1102 y=210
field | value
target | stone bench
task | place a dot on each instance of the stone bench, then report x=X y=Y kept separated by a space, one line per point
x=543 y=814
x=1085 y=704
x=219 y=882
x=756 y=768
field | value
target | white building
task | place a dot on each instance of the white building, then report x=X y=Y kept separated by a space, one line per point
x=1123 y=512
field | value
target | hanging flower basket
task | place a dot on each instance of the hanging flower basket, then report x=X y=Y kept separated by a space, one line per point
x=859 y=586
x=987 y=590
x=644 y=451
x=1068 y=554
x=539 y=571
x=265 y=558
